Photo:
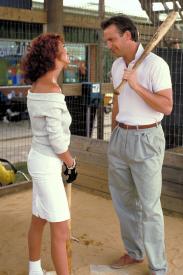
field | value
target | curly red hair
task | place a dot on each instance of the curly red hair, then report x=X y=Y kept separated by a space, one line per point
x=40 y=56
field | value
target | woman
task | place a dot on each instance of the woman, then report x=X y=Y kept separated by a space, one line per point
x=50 y=120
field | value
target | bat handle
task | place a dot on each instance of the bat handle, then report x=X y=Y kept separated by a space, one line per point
x=119 y=89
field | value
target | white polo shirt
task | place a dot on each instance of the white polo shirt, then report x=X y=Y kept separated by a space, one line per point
x=154 y=75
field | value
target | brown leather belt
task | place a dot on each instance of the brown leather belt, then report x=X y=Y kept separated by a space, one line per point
x=137 y=127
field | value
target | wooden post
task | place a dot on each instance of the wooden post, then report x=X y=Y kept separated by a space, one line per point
x=100 y=111
x=55 y=21
x=54 y=15
x=55 y=24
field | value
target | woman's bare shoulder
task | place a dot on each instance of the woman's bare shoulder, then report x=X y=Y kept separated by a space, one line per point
x=46 y=88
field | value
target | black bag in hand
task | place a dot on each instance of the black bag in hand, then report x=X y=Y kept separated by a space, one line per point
x=71 y=173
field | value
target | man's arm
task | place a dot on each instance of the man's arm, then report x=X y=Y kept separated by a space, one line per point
x=114 y=111
x=160 y=101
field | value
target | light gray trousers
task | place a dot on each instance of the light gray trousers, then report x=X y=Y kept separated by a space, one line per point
x=135 y=179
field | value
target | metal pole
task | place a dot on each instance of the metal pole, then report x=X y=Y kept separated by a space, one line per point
x=88 y=114
x=100 y=111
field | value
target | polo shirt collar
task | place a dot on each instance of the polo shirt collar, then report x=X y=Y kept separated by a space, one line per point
x=137 y=55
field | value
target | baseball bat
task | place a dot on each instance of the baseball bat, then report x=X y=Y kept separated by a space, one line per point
x=158 y=35
x=68 y=244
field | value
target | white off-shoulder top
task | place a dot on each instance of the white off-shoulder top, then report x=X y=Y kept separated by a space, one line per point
x=50 y=122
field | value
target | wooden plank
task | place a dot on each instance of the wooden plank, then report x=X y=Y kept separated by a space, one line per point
x=14 y=188
x=173 y=159
x=68 y=89
x=100 y=187
x=148 y=31
x=23 y=15
x=73 y=19
x=90 y=145
x=17 y=89
x=92 y=183
x=80 y=20
x=100 y=172
x=107 y=88
x=72 y=89
x=75 y=89
x=92 y=191
x=80 y=143
x=172 y=204
x=81 y=17
x=92 y=170
x=173 y=174
x=88 y=157
x=178 y=150
x=147 y=6
x=98 y=146
x=173 y=190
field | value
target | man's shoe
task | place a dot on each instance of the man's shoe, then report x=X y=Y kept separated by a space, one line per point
x=125 y=260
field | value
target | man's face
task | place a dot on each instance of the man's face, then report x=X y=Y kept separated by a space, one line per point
x=115 y=41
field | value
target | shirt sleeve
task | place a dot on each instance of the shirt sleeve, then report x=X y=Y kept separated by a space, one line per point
x=160 y=76
x=57 y=127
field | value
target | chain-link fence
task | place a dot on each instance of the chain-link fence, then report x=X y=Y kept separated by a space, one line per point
x=86 y=81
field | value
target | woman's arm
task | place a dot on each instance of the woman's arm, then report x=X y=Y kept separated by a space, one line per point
x=67 y=158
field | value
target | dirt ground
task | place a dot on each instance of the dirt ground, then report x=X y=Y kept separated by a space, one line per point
x=94 y=223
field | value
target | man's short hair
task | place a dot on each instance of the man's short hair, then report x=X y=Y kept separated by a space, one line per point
x=122 y=23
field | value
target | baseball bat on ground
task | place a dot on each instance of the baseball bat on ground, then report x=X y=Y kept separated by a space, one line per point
x=158 y=35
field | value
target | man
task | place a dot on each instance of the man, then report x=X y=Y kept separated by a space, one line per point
x=137 y=144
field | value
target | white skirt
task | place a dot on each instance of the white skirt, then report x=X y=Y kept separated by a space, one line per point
x=49 y=199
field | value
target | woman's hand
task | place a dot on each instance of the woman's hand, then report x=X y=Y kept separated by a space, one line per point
x=71 y=172
x=67 y=158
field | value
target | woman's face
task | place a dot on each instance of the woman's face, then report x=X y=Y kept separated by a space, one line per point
x=62 y=55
